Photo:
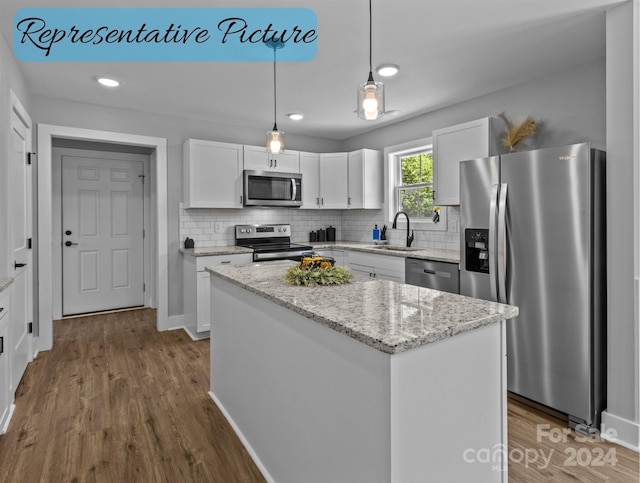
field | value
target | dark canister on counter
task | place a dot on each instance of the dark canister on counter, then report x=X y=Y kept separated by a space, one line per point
x=322 y=234
x=331 y=233
x=313 y=236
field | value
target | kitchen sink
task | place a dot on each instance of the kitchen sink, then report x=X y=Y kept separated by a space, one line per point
x=396 y=248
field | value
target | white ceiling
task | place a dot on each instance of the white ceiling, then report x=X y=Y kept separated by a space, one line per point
x=448 y=51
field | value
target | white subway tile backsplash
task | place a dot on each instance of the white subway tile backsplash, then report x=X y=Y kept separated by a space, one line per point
x=215 y=227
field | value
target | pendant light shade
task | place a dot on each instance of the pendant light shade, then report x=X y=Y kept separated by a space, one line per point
x=275 y=137
x=370 y=94
x=275 y=141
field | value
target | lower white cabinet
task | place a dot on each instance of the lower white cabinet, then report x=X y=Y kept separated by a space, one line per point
x=6 y=395
x=376 y=266
x=337 y=255
x=197 y=287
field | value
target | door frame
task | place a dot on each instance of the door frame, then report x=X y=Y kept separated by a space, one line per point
x=57 y=221
x=158 y=220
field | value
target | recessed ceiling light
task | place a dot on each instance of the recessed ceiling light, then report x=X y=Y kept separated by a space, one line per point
x=107 y=82
x=388 y=70
x=295 y=116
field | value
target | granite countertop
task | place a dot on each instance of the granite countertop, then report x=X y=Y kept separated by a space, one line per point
x=439 y=255
x=435 y=254
x=388 y=316
x=4 y=283
x=221 y=250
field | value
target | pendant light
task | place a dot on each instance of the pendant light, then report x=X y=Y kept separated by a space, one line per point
x=371 y=93
x=275 y=138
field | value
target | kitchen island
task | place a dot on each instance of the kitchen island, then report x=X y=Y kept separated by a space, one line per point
x=374 y=381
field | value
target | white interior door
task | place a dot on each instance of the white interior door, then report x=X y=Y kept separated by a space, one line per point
x=20 y=191
x=102 y=234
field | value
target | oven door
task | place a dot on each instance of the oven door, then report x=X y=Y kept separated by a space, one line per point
x=266 y=188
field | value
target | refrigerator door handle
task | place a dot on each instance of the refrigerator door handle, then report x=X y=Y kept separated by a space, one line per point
x=493 y=254
x=502 y=233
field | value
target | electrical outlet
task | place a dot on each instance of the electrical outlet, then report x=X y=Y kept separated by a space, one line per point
x=217 y=227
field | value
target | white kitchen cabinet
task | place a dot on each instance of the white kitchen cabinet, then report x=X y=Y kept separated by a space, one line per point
x=470 y=140
x=365 y=179
x=376 y=266
x=310 y=169
x=197 y=288
x=212 y=174
x=256 y=158
x=334 y=185
x=6 y=395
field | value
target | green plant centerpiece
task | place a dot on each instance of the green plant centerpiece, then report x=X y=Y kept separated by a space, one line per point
x=317 y=271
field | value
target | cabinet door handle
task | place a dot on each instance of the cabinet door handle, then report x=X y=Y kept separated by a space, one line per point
x=225 y=262
x=317 y=201
x=322 y=201
x=17 y=265
x=349 y=200
x=430 y=272
x=1 y=345
x=240 y=199
x=275 y=163
x=433 y=195
x=271 y=163
x=1 y=309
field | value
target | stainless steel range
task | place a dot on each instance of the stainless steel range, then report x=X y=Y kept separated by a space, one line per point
x=270 y=242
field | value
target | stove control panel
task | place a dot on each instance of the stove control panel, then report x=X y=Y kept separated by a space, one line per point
x=262 y=231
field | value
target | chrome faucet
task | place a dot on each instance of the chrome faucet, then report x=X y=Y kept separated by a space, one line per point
x=395 y=225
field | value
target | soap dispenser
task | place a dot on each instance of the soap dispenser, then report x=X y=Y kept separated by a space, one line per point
x=376 y=233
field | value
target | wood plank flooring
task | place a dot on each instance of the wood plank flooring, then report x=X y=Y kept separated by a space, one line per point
x=117 y=401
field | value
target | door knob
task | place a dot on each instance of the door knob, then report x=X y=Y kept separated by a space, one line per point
x=68 y=244
x=68 y=232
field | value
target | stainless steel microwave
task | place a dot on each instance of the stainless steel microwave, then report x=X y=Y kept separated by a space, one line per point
x=269 y=188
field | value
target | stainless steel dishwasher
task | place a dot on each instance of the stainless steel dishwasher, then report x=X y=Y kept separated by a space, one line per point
x=437 y=275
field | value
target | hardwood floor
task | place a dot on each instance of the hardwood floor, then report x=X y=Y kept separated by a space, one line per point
x=542 y=450
x=117 y=401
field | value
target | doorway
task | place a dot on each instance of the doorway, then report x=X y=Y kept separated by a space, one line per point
x=157 y=294
x=101 y=216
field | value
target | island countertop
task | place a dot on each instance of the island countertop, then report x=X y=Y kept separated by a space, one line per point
x=388 y=316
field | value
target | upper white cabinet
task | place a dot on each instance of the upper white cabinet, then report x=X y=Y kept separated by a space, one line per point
x=212 y=174
x=256 y=158
x=334 y=186
x=470 y=140
x=365 y=179
x=310 y=169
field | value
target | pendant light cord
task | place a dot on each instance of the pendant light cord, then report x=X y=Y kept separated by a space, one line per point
x=275 y=126
x=370 y=40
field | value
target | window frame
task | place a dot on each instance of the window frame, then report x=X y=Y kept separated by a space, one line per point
x=393 y=155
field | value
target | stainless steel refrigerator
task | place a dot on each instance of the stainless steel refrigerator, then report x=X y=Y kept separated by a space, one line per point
x=533 y=235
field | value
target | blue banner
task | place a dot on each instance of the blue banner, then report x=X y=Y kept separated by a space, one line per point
x=164 y=34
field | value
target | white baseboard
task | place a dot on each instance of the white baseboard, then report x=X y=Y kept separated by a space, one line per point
x=196 y=335
x=620 y=431
x=244 y=441
x=5 y=426
x=174 y=322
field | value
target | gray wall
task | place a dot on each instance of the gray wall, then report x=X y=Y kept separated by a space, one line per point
x=622 y=250
x=569 y=104
x=176 y=131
